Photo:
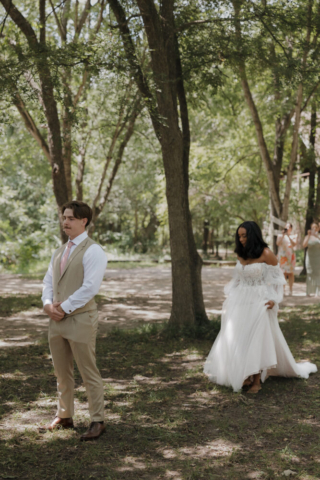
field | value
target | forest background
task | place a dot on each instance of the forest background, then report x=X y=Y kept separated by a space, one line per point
x=85 y=114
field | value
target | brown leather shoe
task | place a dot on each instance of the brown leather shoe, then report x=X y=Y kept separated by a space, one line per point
x=95 y=430
x=58 y=423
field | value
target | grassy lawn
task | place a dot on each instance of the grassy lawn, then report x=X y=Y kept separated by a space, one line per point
x=164 y=419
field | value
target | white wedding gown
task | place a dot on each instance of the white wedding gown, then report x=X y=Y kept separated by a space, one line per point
x=250 y=340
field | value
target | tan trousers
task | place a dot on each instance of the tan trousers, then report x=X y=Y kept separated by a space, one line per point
x=65 y=347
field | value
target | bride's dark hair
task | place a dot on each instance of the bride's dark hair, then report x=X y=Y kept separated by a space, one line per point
x=255 y=243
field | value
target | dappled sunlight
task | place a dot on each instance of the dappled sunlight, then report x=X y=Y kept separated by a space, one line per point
x=148 y=380
x=16 y=284
x=131 y=464
x=130 y=297
x=164 y=418
x=216 y=448
x=173 y=475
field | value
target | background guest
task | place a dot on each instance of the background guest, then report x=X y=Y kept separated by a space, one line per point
x=312 y=241
x=287 y=258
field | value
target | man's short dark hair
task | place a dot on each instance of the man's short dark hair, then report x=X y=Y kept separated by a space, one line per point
x=80 y=210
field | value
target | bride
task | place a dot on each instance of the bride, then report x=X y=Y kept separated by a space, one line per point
x=250 y=346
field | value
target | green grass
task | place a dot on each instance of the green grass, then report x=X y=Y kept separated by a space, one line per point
x=18 y=303
x=10 y=304
x=164 y=419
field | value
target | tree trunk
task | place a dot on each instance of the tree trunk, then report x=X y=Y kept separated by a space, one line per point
x=211 y=240
x=205 y=236
x=186 y=263
x=312 y=167
x=317 y=202
x=187 y=298
x=136 y=226
x=80 y=173
x=67 y=132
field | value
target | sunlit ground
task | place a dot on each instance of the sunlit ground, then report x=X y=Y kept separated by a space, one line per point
x=164 y=419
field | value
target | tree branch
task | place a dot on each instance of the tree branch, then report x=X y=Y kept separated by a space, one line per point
x=130 y=128
x=119 y=127
x=310 y=96
x=4 y=21
x=33 y=84
x=83 y=18
x=65 y=18
x=234 y=165
x=184 y=26
x=42 y=10
x=100 y=18
x=30 y=125
x=274 y=37
x=81 y=166
x=80 y=89
x=57 y=19
x=264 y=152
x=134 y=64
x=295 y=138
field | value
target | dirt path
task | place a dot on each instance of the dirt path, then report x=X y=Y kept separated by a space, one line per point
x=134 y=297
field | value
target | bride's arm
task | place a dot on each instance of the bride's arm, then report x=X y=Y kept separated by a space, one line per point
x=274 y=279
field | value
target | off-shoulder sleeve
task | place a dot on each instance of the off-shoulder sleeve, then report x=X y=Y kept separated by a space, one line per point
x=274 y=281
x=233 y=283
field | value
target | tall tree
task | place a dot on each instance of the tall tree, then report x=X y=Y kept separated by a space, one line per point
x=54 y=147
x=165 y=98
x=58 y=73
x=287 y=56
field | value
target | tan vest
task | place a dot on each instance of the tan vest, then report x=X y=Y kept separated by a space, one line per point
x=72 y=277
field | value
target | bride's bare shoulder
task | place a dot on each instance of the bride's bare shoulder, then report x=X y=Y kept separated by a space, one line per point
x=269 y=257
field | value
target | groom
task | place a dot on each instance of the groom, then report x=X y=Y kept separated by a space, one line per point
x=73 y=279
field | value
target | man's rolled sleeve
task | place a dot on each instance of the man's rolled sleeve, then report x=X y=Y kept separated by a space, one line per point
x=47 y=291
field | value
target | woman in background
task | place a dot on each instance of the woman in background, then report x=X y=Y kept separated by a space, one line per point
x=287 y=258
x=312 y=241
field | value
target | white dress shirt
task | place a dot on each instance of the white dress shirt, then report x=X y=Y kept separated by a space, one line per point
x=94 y=265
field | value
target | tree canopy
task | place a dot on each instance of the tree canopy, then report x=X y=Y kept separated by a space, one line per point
x=162 y=116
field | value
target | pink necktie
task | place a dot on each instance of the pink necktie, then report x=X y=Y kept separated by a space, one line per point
x=65 y=257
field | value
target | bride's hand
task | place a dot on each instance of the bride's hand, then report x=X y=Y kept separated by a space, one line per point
x=270 y=304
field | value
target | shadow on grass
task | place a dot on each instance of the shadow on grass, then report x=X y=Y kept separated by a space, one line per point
x=11 y=304
x=164 y=419
x=18 y=303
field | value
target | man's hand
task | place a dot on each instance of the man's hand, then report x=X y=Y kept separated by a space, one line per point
x=57 y=305
x=270 y=304
x=54 y=311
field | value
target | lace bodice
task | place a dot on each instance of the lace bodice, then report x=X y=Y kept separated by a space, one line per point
x=251 y=275
x=267 y=277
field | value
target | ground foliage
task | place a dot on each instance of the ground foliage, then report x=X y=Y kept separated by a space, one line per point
x=164 y=419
